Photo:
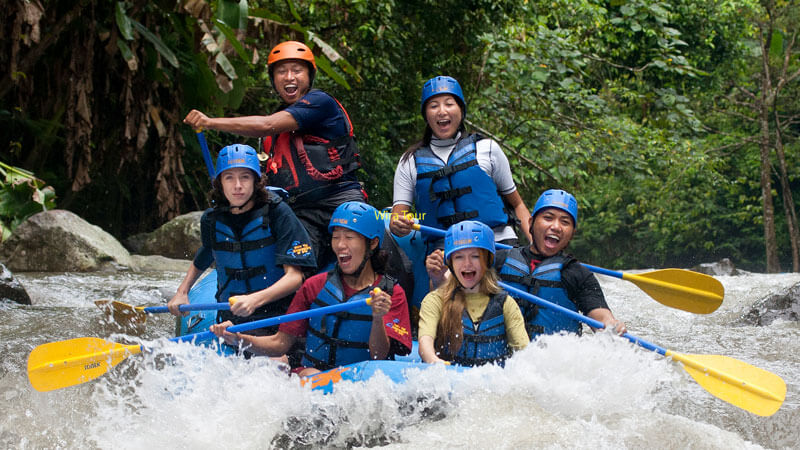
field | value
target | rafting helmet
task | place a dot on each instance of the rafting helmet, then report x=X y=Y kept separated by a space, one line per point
x=468 y=234
x=556 y=198
x=359 y=217
x=442 y=85
x=238 y=155
x=292 y=50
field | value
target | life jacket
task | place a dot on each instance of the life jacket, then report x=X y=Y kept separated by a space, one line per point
x=544 y=282
x=310 y=167
x=246 y=264
x=456 y=191
x=484 y=341
x=340 y=338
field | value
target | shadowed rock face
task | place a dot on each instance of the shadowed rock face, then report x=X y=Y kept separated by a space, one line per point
x=784 y=306
x=61 y=241
x=11 y=288
x=178 y=239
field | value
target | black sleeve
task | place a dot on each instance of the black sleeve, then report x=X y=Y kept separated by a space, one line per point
x=204 y=257
x=292 y=243
x=582 y=287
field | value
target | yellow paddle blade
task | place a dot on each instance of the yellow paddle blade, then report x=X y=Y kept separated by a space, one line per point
x=62 y=364
x=681 y=289
x=738 y=383
x=122 y=313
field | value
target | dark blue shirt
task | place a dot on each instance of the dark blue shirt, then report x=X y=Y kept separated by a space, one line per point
x=318 y=114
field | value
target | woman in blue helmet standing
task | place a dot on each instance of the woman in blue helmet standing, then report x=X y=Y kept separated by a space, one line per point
x=259 y=247
x=378 y=331
x=451 y=176
x=469 y=319
x=545 y=270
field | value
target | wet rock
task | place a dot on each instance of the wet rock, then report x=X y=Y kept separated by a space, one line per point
x=11 y=288
x=784 y=306
x=722 y=267
x=60 y=241
x=178 y=239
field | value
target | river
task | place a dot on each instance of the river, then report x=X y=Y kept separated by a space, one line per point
x=597 y=391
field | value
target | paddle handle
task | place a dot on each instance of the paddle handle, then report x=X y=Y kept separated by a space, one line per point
x=201 y=137
x=263 y=323
x=194 y=307
x=576 y=316
x=602 y=271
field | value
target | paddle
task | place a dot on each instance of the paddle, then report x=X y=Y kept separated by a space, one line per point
x=57 y=365
x=125 y=314
x=201 y=137
x=677 y=288
x=738 y=383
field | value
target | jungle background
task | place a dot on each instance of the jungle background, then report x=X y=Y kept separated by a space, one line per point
x=674 y=123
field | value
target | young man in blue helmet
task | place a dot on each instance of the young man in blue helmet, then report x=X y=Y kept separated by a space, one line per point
x=470 y=320
x=259 y=247
x=378 y=331
x=309 y=143
x=544 y=270
x=451 y=176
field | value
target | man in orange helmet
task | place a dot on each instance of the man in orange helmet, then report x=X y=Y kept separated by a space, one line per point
x=309 y=143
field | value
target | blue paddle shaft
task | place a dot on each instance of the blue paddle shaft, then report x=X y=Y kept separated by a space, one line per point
x=185 y=308
x=263 y=323
x=201 y=137
x=579 y=317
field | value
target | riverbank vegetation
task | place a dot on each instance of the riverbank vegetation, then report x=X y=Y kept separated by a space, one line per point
x=675 y=123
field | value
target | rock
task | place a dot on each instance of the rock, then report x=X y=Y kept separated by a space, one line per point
x=11 y=288
x=178 y=239
x=158 y=263
x=721 y=267
x=785 y=306
x=60 y=241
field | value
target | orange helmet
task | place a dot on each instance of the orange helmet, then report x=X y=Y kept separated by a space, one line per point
x=291 y=50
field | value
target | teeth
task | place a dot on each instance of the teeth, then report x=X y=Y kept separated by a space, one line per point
x=554 y=237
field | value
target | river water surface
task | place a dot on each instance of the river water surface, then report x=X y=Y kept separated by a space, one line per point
x=597 y=391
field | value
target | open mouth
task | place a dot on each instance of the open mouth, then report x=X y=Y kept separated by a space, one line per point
x=469 y=277
x=344 y=259
x=290 y=89
x=551 y=240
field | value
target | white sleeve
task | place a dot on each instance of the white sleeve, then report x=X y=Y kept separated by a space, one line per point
x=499 y=168
x=405 y=181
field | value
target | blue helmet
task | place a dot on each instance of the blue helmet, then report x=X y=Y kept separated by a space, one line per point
x=238 y=155
x=468 y=234
x=442 y=85
x=556 y=198
x=359 y=217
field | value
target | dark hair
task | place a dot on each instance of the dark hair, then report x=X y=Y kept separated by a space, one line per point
x=216 y=196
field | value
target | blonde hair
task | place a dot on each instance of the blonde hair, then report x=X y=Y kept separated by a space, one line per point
x=449 y=333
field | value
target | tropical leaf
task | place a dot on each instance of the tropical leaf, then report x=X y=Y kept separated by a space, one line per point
x=160 y=46
x=123 y=22
x=231 y=37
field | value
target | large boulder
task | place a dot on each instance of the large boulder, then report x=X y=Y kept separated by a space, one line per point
x=11 y=288
x=722 y=267
x=784 y=306
x=178 y=239
x=60 y=241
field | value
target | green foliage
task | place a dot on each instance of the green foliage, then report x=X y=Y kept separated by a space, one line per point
x=21 y=196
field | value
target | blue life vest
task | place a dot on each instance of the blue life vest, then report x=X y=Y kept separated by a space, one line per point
x=544 y=282
x=456 y=191
x=246 y=264
x=485 y=340
x=340 y=338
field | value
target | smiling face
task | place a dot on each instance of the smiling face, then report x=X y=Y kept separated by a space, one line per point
x=469 y=265
x=444 y=115
x=238 y=185
x=552 y=229
x=291 y=79
x=350 y=248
